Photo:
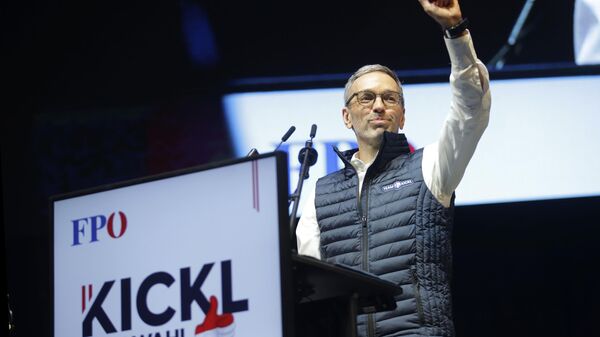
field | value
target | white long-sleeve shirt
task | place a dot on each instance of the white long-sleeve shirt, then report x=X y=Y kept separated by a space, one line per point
x=445 y=161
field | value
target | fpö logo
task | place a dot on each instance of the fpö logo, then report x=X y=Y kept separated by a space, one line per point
x=140 y=302
x=86 y=230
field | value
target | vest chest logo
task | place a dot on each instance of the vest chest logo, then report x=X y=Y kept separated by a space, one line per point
x=397 y=185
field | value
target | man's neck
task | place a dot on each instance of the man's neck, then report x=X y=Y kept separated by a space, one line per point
x=367 y=152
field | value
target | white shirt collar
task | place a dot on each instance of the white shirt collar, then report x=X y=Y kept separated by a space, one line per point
x=359 y=165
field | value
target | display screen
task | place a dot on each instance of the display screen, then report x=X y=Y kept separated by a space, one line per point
x=542 y=140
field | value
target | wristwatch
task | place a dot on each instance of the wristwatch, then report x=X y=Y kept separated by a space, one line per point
x=456 y=30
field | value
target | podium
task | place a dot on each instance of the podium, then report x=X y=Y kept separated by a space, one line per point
x=201 y=250
x=329 y=297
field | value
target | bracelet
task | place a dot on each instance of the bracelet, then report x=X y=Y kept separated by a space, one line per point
x=456 y=30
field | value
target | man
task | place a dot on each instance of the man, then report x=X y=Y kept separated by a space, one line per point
x=389 y=211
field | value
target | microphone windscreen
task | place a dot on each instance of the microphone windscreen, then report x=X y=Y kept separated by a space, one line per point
x=288 y=133
x=313 y=131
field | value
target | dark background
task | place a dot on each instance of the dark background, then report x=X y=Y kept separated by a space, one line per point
x=98 y=92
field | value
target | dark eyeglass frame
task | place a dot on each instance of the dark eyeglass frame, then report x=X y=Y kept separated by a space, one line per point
x=376 y=95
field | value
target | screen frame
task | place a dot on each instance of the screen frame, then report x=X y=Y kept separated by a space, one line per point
x=406 y=76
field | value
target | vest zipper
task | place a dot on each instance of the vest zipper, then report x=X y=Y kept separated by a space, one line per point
x=363 y=206
x=418 y=297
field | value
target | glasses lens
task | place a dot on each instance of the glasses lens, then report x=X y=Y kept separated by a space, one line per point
x=391 y=98
x=366 y=97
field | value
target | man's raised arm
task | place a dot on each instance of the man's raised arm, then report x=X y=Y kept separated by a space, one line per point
x=445 y=162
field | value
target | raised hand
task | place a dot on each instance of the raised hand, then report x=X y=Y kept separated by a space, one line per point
x=445 y=12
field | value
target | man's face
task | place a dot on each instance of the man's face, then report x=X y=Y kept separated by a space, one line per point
x=369 y=122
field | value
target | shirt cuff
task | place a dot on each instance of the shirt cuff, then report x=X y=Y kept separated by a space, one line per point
x=461 y=51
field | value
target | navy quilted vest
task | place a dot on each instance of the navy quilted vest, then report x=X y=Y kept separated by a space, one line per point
x=396 y=230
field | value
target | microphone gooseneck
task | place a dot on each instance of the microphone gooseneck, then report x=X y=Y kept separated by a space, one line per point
x=307 y=157
x=286 y=136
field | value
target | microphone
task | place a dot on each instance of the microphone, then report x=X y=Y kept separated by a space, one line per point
x=286 y=136
x=313 y=131
x=312 y=155
x=307 y=157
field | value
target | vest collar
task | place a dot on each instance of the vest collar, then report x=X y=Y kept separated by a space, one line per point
x=392 y=146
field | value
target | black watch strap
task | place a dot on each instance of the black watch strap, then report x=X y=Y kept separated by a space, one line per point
x=456 y=30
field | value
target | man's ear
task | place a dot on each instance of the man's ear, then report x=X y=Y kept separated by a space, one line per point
x=346 y=117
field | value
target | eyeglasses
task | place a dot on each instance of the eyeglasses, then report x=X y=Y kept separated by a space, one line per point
x=367 y=98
